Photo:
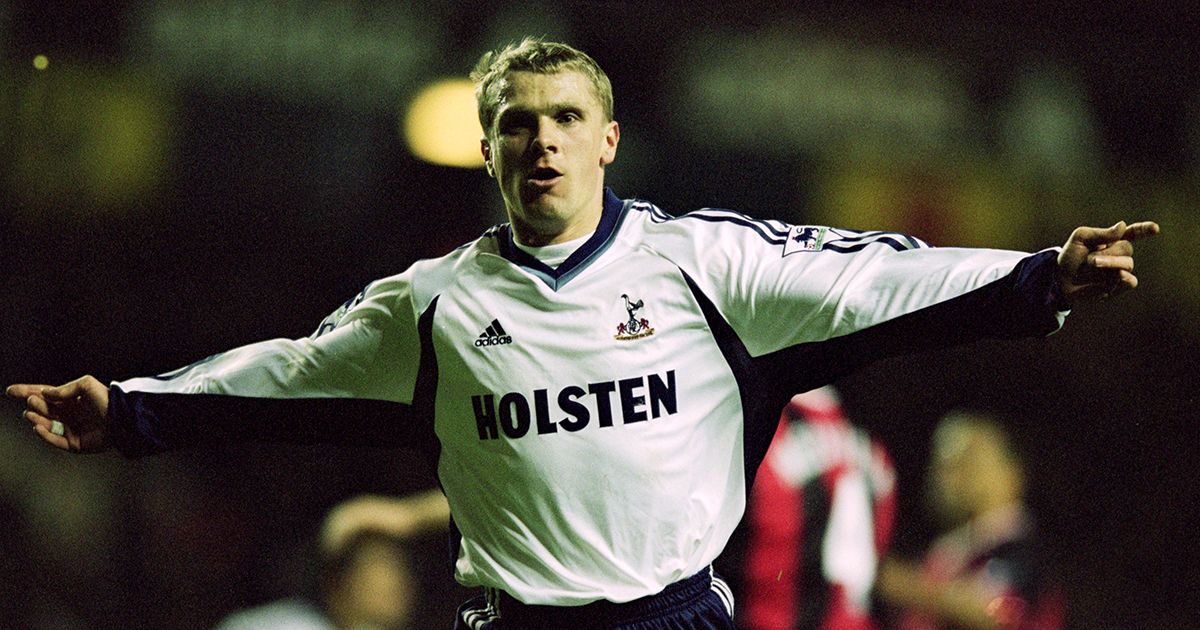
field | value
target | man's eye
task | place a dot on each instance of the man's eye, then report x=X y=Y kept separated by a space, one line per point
x=568 y=117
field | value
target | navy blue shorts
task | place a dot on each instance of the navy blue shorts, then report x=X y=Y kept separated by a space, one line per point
x=701 y=602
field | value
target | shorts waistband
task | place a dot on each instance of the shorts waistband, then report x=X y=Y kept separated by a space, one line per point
x=601 y=613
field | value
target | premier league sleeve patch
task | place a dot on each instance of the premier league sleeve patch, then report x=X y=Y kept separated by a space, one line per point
x=805 y=238
x=815 y=238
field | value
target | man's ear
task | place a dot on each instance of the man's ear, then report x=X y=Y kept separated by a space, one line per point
x=611 y=137
x=486 y=149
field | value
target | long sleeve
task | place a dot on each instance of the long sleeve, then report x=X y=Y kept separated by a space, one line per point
x=780 y=286
x=351 y=382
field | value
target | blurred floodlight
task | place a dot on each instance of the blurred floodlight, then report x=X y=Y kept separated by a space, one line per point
x=442 y=126
x=41 y=62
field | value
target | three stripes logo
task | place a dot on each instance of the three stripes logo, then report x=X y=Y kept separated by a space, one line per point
x=494 y=335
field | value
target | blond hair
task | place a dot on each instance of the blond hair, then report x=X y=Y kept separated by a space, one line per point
x=533 y=54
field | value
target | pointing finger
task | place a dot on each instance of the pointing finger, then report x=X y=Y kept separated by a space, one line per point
x=77 y=387
x=1141 y=229
x=62 y=392
x=23 y=391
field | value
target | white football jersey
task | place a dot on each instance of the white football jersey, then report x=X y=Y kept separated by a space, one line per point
x=596 y=426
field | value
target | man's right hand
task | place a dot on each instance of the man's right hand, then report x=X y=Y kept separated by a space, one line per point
x=73 y=417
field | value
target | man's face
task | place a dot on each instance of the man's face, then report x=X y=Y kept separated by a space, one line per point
x=547 y=149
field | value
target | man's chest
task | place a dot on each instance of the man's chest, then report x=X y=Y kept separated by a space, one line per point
x=626 y=344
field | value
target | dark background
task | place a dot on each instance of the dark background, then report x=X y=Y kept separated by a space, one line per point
x=187 y=177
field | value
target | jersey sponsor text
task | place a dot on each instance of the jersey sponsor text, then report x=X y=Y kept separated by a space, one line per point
x=637 y=399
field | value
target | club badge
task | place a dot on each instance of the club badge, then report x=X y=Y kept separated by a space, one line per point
x=634 y=327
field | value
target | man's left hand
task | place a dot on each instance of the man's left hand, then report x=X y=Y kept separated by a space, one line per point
x=1098 y=262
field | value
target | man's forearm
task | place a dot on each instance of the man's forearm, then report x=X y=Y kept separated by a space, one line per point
x=145 y=423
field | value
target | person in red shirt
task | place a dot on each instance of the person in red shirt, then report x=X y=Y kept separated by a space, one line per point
x=819 y=518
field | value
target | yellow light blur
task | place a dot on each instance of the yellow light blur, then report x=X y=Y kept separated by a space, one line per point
x=89 y=139
x=442 y=127
x=41 y=62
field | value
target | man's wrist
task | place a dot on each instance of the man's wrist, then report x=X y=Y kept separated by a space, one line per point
x=1056 y=298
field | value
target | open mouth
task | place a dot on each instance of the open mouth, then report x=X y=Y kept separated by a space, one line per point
x=544 y=176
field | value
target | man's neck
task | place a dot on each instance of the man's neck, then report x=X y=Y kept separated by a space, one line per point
x=529 y=236
x=556 y=254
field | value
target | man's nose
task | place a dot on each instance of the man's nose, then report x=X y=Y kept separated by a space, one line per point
x=546 y=137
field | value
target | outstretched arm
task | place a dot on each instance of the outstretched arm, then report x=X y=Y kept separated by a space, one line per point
x=73 y=417
x=349 y=383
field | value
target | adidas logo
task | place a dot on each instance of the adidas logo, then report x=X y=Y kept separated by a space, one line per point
x=493 y=336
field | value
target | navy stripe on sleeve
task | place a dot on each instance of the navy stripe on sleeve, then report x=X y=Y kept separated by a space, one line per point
x=846 y=249
x=759 y=227
x=146 y=423
x=1021 y=304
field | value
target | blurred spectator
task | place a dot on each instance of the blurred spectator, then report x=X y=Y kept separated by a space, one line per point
x=987 y=571
x=366 y=579
x=819 y=518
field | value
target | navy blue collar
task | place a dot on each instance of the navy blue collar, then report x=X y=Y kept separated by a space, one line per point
x=610 y=219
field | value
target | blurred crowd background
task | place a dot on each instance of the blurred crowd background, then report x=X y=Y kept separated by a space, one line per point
x=178 y=178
